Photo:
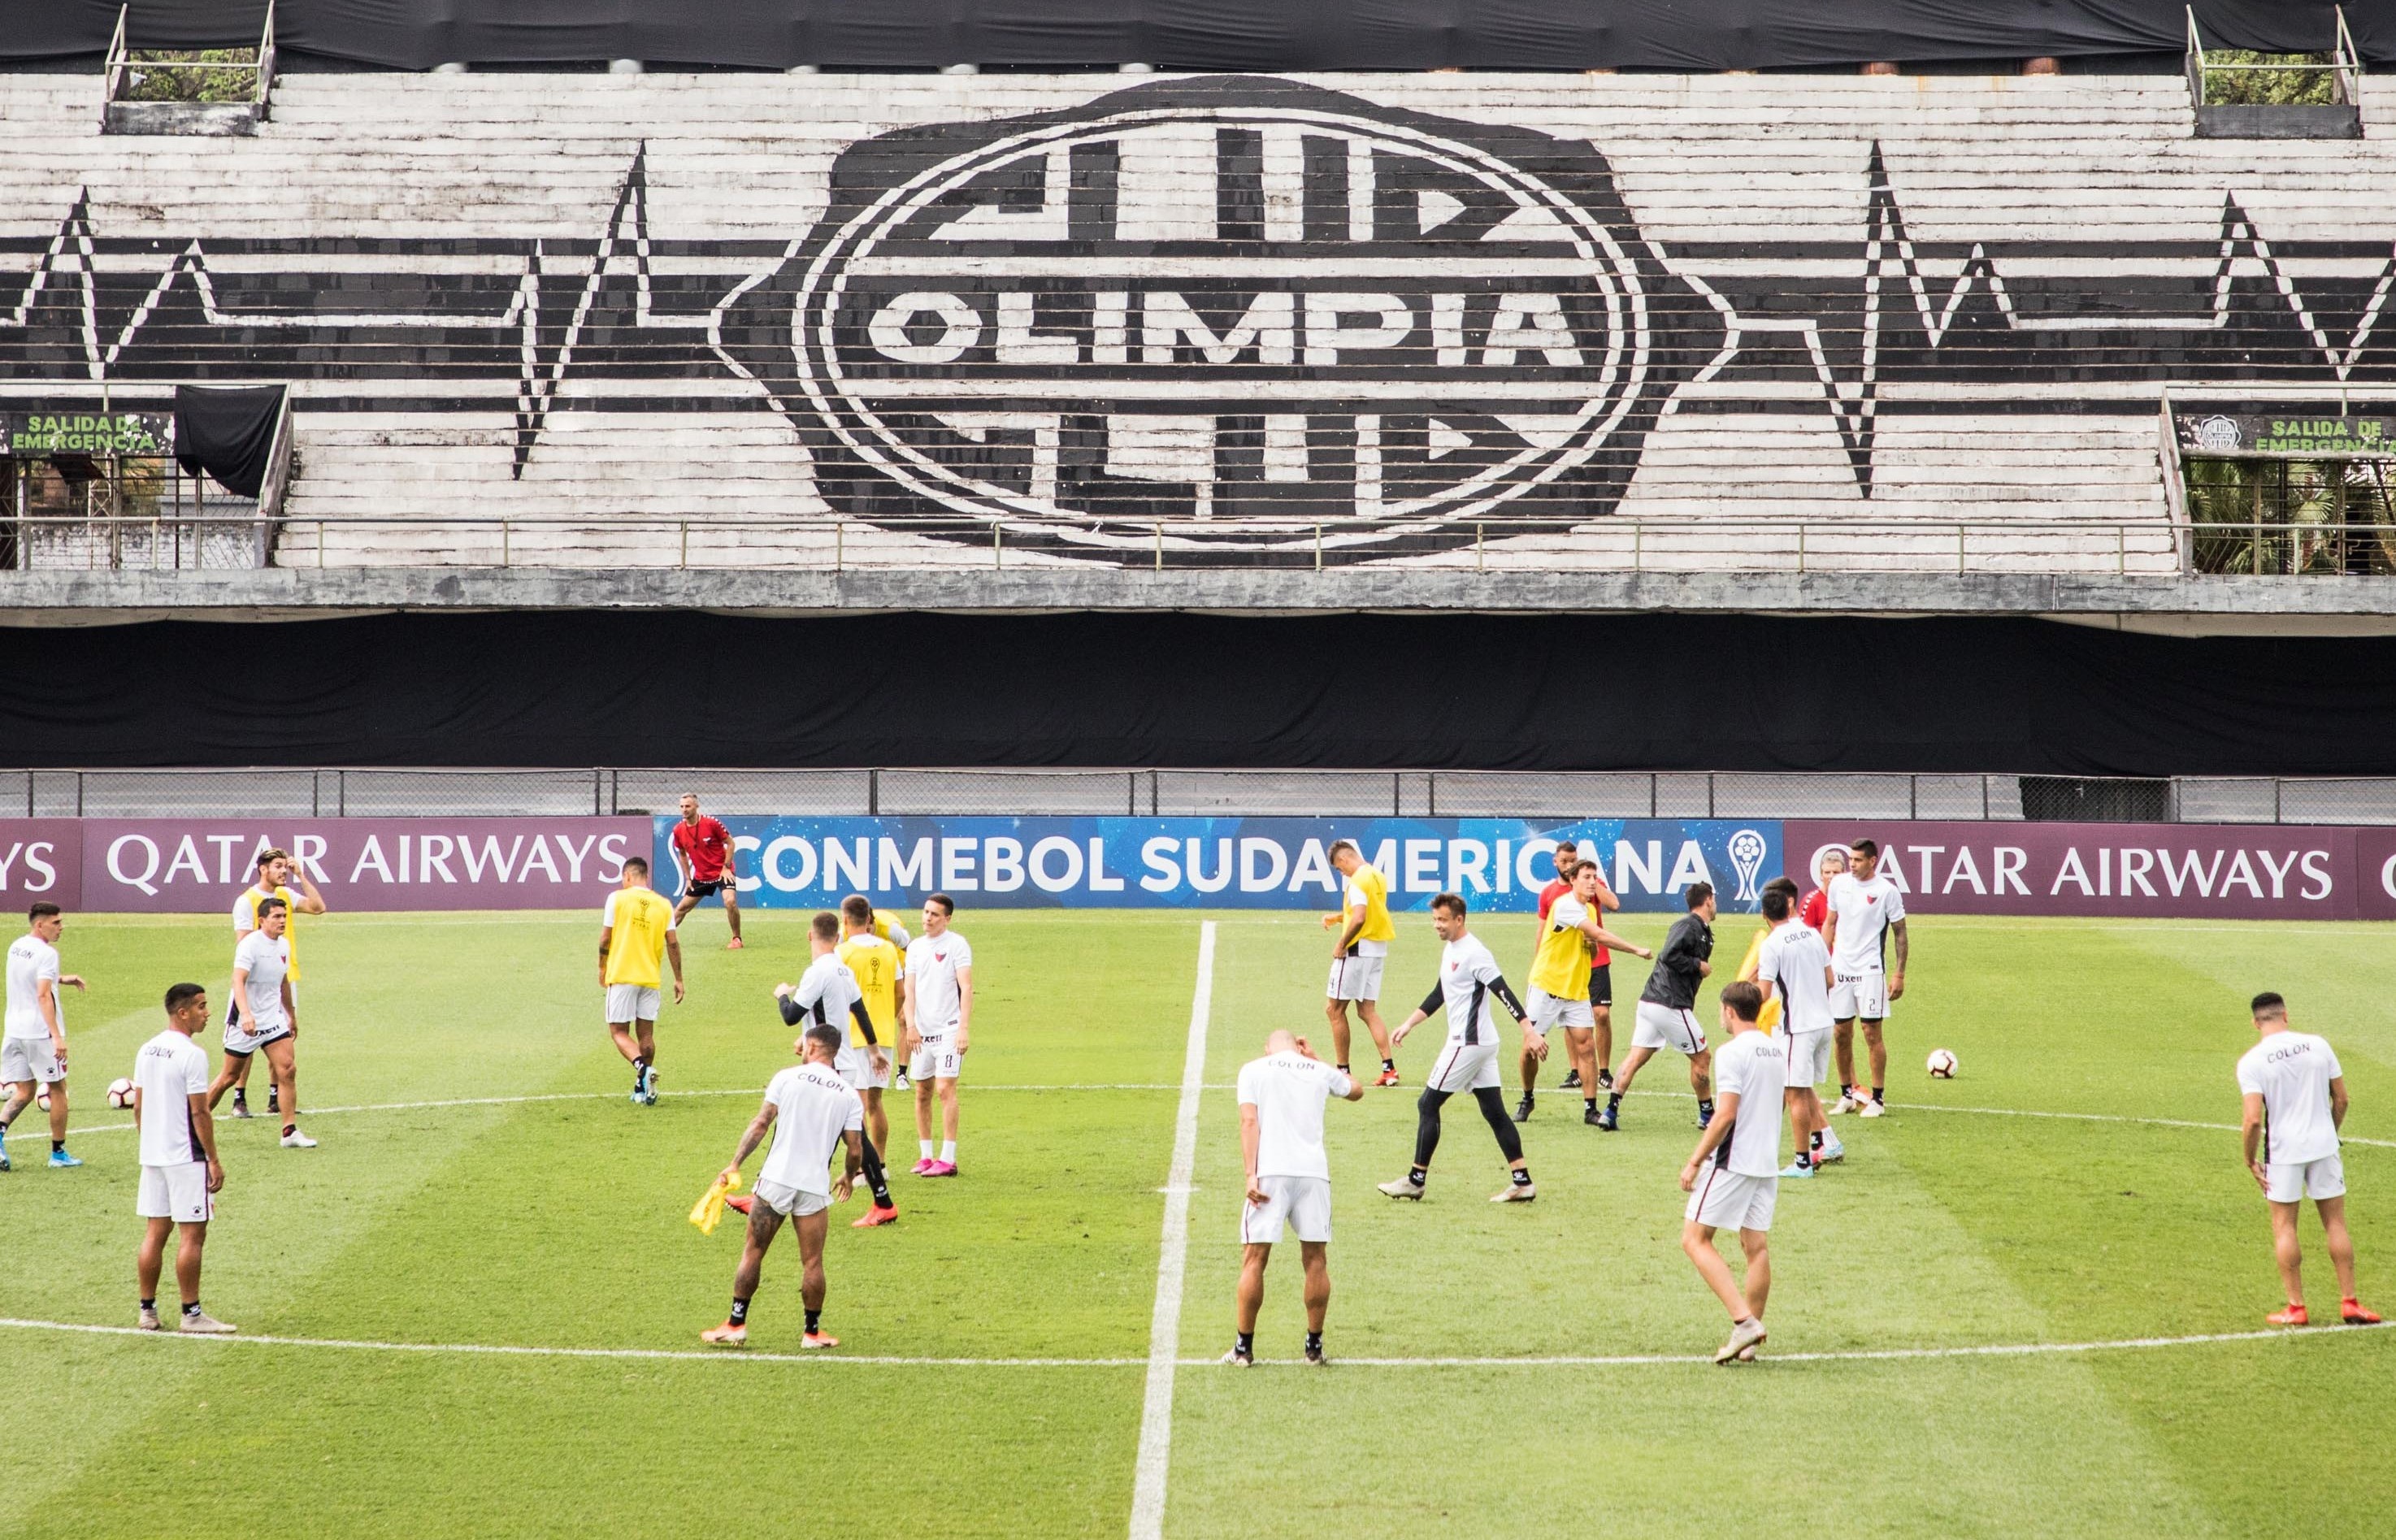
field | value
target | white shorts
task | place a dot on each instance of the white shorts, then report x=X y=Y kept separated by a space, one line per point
x=1726 y=1200
x=1662 y=1026
x=1809 y=1058
x=1355 y=978
x=1864 y=995
x=631 y=1002
x=789 y=1202
x=177 y=1192
x=2294 y=1181
x=1547 y=1011
x=241 y=1044
x=1301 y=1202
x=24 y=1059
x=1464 y=1067
x=936 y=1058
x=856 y=1066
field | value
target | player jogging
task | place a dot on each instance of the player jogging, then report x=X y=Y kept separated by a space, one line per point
x=1794 y=968
x=262 y=1018
x=710 y=866
x=180 y=1170
x=810 y=1111
x=2296 y=1103
x=939 y=1028
x=1470 y=987
x=636 y=929
x=1668 y=1016
x=828 y=995
x=1865 y=911
x=878 y=967
x=1601 y=970
x=1289 y=1179
x=1570 y=940
x=1732 y=1176
x=34 y=1041
x=275 y=869
x=1365 y=931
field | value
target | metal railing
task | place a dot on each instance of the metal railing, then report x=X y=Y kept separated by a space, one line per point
x=2344 y=66
x=122 y=72
x=283 y=792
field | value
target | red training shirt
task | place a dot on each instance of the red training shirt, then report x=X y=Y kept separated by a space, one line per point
x=705 y=845
x=1816 y=909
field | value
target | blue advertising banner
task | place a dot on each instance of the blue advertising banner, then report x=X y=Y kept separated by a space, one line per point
x=1496 y=864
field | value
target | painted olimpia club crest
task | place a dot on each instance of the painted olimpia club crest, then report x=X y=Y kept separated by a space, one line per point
x=1293 y=316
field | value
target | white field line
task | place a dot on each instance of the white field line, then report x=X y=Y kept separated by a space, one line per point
x=1866 y=1354
x=1164 y=1324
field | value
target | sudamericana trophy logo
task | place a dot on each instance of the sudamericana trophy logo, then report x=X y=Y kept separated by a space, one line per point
x=1228 y=314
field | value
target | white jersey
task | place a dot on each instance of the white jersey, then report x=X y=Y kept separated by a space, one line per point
x=168 y=1071
x=1467 y=974
x=825 y=993
x=1750 y=1066
x=932 y=963
x=813 y=1107
x=1864 y=910
x=2291 y=1071
x=264 y=993
x=1288 y=1091
x=31 y=960
x=1793 y=962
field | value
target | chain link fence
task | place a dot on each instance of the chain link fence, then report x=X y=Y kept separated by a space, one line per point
x=269 y=792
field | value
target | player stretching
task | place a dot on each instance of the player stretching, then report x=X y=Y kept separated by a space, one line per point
x=2295 y=1105
x=703 y=855
x=1365 y=931
x=180 y=1172
x=878 y=967
x=636 y=929
x=939 y=1026
x=1470 y=987
x=1570 y=938
x=1794 y=968
x=1865 y=910
x=1668 y=1015
x=1600 y=972
x=810 y=1111
x=1289 y=1179
x=829 y=994
x=262 y=1018
x=34 y=1051
x=1732 y=1176
x=275 y=869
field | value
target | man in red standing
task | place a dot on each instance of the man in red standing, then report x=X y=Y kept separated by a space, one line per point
x=1815 y=910
x=703 y=853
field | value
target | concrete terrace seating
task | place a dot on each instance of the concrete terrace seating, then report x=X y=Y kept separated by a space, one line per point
x=1886 y=324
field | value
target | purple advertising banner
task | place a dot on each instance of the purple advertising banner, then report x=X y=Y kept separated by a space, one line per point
x=184 y=865
x=2236 y=871
x=41 y=859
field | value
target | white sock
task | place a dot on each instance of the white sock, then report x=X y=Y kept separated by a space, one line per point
x=949 y=1150
x=926 y=1146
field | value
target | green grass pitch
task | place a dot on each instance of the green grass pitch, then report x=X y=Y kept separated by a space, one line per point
x=558 y=1222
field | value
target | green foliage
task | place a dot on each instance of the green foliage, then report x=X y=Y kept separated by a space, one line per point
x=2228 y=84
x=192 y=75
x=2311 y=516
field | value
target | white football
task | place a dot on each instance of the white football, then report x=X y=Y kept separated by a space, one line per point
x=1942 y=1064
x=120 y=1092
x=42 y=1099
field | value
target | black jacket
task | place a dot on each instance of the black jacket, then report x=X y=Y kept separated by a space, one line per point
x=1673 y=981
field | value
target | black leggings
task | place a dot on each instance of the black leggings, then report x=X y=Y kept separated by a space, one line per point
x=876 y=1182
x=1493 y=1106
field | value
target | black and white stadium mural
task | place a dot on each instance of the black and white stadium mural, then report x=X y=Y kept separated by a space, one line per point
x=1280 y=320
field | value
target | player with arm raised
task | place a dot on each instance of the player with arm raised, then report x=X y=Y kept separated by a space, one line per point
x=636 y=931
x=811 y=1113
x=1865 y=912
x=262 y=1018
x=703 y=853
x=277 y=868
x=1288 y=1181
x=939 y=1029
x=1732 y=1176
x=1570 y=940
x=2295 y=1104
x=1469 y=988
x=1794 y=967
x=1668 y=1015
x=34 y=1051
x=1363 y=931
x=180 y=1170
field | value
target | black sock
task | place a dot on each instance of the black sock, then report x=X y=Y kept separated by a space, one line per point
x=739 y=1316
x=1314 y=1341
x=1876 y=1093
x=1592 y=1098
x=241 y=1094
x=1845 y=1090
x=1247 y=1342
x=192 y=1309
x=1343 y=1069
x=1613 y=1100
x=1388 y=1064
x=290 y=1129
x=150 y=1303
x=57 y=1146
x=1522 y=1175
x=813 y=1317
x=876 y=1177
x=1419 y=1176
x=1705 y=1107
x=1804 y=1160
x=1815 y=1140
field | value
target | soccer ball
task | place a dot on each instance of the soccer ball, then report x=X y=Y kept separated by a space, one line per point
x=42 y=1099
x=120 y=1092
x=1942 y=1064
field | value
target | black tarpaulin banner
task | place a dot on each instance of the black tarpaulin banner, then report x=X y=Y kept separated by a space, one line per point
x=227 y=431
x=1256 y=35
